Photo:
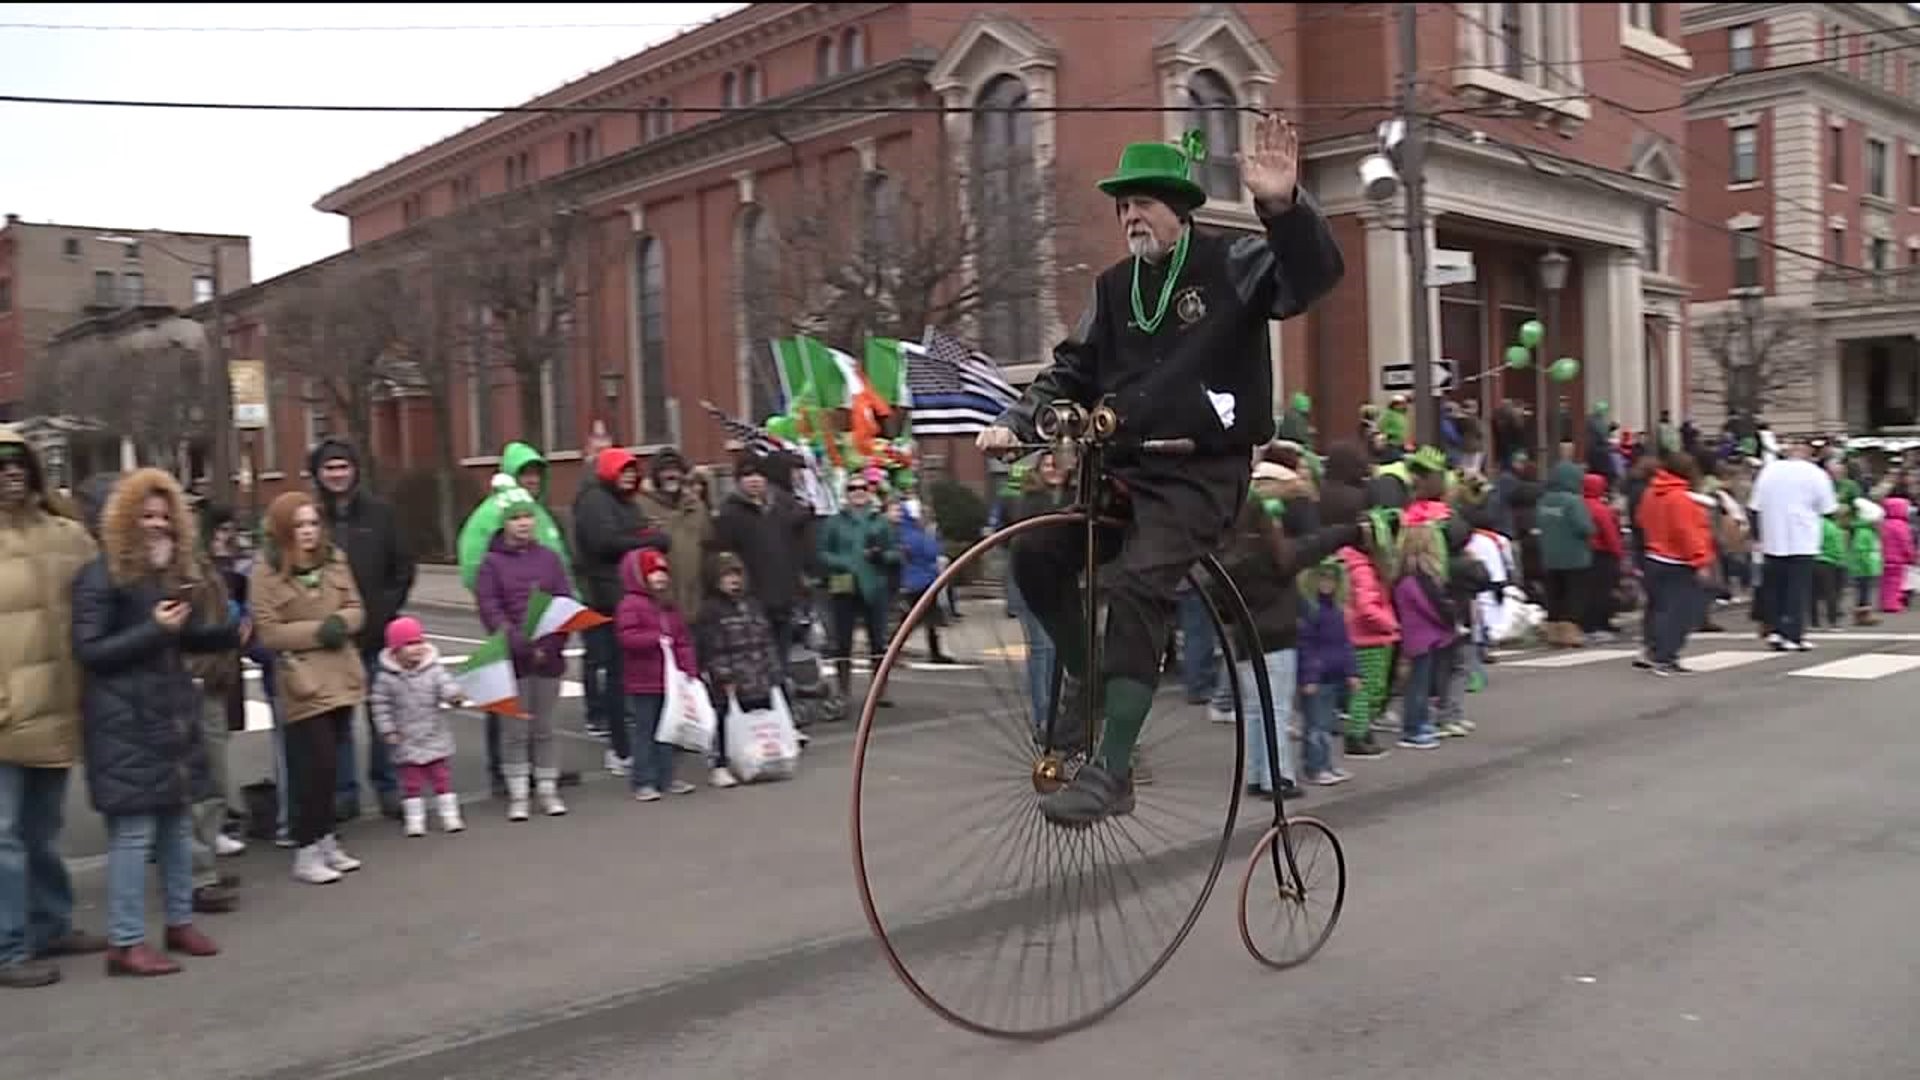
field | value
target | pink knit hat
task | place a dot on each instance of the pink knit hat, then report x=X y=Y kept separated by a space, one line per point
x=404 y=631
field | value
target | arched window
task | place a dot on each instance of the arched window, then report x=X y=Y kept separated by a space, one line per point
x=823 y=59
x=759 y=310
x=650 y=332
x=750 y=84
x=1214 y=108
x=1005 y=194
x=729 y=93
x=853 y=49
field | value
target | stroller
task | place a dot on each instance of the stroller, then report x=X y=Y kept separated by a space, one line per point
x=811 y=695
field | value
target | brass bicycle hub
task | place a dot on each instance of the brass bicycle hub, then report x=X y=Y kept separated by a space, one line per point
x=1049 y=774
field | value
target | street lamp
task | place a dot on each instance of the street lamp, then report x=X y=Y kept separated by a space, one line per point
x=1553 y=278
x=220 y=385
x=610 y=380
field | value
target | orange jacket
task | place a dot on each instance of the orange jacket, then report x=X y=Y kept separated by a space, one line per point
x=1674 y=527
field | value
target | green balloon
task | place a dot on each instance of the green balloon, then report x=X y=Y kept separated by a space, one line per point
x=781 y=427
x=1301 y=402
x=1531 y=332
x=1565 y=369
x=1519 y=356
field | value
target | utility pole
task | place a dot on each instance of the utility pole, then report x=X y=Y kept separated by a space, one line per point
x=1413 y=163
x=220 y=461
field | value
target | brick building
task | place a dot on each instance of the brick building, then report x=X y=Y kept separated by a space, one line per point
x=1811 y=156
x=727 y=142
x=53 y=275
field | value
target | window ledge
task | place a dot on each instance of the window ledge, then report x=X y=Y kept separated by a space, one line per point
x=1878 y=201
x=273 y=475
x=470 y=462
x=564 y=455
x=1565 y=102
x=1833 y=185
x=1656 y=47
x=1744 y=185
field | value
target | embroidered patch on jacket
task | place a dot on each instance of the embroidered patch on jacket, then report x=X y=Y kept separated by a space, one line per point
x=1189 y=305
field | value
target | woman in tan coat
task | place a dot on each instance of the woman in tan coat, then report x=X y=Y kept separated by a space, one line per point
x=306 y=609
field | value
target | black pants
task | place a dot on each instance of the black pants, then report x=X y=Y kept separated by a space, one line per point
x=1180 y=509
x=1566 y=596
x=1603 y=580
x=851 y=608
x=780 y=623
x=311 y=761
x=1826 y=594
x=1788 y=580
x=1674 y=598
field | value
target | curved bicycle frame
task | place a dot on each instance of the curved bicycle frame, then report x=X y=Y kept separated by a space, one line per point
x=1081 y=512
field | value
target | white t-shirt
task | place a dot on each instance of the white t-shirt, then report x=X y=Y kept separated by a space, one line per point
x=1791 y=497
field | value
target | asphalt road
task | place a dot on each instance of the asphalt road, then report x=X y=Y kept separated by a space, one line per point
x=1616 y=876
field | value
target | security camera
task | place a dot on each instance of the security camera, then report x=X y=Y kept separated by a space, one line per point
x=1378 y=178
x=1391 y=134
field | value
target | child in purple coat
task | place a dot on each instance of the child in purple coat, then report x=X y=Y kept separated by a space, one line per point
x=515 y=566
x=1429 y=635
x=1326 y=665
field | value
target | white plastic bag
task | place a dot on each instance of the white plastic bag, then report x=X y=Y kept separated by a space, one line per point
x=762 y=744
x=1912 y=580
x=686 y=717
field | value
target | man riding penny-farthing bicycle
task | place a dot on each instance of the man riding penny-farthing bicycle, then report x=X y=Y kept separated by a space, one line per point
x=1177 y=339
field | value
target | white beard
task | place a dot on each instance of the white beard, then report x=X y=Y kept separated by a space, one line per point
x=1144 y=246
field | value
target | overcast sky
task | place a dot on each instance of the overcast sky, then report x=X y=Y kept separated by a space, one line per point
x=258 y=173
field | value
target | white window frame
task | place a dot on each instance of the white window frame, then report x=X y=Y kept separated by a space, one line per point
x=1644 y=41
x=1885 y=176
x=1735 y=50
x=1734 y=131
x=1553 y=77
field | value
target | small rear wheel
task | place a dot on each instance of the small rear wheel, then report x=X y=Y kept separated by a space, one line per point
x=1289 y=907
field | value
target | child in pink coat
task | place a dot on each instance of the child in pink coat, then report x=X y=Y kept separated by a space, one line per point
x=1374 y=630
x=1896 y=554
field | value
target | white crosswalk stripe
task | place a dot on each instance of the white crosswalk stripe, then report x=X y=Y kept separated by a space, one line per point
x=1577 y=658
x=1863 y=667
x=1725 y=659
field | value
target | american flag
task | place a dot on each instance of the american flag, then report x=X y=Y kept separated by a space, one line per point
x=756 y=439
x=956 y=390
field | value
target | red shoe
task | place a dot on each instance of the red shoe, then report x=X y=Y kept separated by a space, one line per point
x=188 y=939
x=138 y=960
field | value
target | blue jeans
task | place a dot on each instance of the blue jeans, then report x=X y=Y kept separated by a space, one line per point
x=1320 y=716
x=1198 y=665
x=1416 y=714
x=606 y=703
x=380 y=774
x=1674 y=603
x=1280 y=674
x=652 y=761
x=170 y=837
x=1040 y=656
x=36 y=895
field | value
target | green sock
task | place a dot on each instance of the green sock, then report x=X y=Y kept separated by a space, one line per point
x=1127 y=702
x=1068 y=630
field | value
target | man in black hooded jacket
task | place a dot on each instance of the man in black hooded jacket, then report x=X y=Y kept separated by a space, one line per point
x=364 y=527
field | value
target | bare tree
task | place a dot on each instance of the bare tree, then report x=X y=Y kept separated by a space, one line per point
x=431 y=342
x=145 y=383
x=514 y=260
x=337 y=328
x=1757 y=362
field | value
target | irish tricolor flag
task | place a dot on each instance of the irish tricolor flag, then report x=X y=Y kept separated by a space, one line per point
x=487 y=681
x=558 y=615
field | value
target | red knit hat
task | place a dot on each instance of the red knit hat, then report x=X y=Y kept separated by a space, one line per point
x=404 y=631
x=651 y=560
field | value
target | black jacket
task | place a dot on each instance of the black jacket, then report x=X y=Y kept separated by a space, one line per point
x=605 y=528
x=774 y=540
x=364 y=527
x=1268 y=580
x=1214 y=336
x=139 y=709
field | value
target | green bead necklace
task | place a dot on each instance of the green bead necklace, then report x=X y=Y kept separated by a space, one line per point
x=1166 y=289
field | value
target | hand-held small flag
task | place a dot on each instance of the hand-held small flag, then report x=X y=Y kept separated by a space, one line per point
x=549 y=615
x=486 y=679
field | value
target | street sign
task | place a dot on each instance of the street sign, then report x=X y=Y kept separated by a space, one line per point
x=1400 y=376
x=249 y=379
x=1450 y=267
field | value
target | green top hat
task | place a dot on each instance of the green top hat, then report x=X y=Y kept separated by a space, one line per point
x=1156 y=168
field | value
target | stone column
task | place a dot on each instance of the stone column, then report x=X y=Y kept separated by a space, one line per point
x=1614 y=349
x=1389 y=305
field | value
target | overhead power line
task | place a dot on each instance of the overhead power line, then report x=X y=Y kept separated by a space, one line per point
x=729 y=110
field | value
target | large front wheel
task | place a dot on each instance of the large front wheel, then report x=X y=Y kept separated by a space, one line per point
x=999 y=922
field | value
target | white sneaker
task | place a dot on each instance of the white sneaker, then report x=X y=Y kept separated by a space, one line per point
x=414 y=812
x=1802 y=645
x=517 y=797
x=1220 y=716
x=310 y=866
x=723 y=778
x=226 y=846
x=681 y=787
x=647 y=794
x=616 y=765
x=547 y=789
x=336 y=858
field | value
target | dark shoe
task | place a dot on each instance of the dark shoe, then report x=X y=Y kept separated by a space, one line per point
x=1365 y=748
x=139 y=960
x=28 y=975
x=570 y=778
x=188 y=939
x=1093 y=795
x=1069 y=728
x=390 y=805
x=1291 y=790
x=229 y=881
x=214 y=900
x=74 y=943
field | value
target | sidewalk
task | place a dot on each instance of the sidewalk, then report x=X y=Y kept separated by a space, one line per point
x=437 y=585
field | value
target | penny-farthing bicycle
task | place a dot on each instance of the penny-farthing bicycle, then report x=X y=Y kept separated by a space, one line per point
x=997 y=920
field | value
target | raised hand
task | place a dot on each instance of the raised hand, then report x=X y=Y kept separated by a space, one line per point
x=1271 y=171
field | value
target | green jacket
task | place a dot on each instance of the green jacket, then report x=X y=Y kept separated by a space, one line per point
x=845 y=543
x=1863 y=549
x=1833 y=542
x=1566 y=528
x=481 y=525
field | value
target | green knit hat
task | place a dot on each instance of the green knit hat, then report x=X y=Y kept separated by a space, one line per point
x=512 y=500
x=1162 y=170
